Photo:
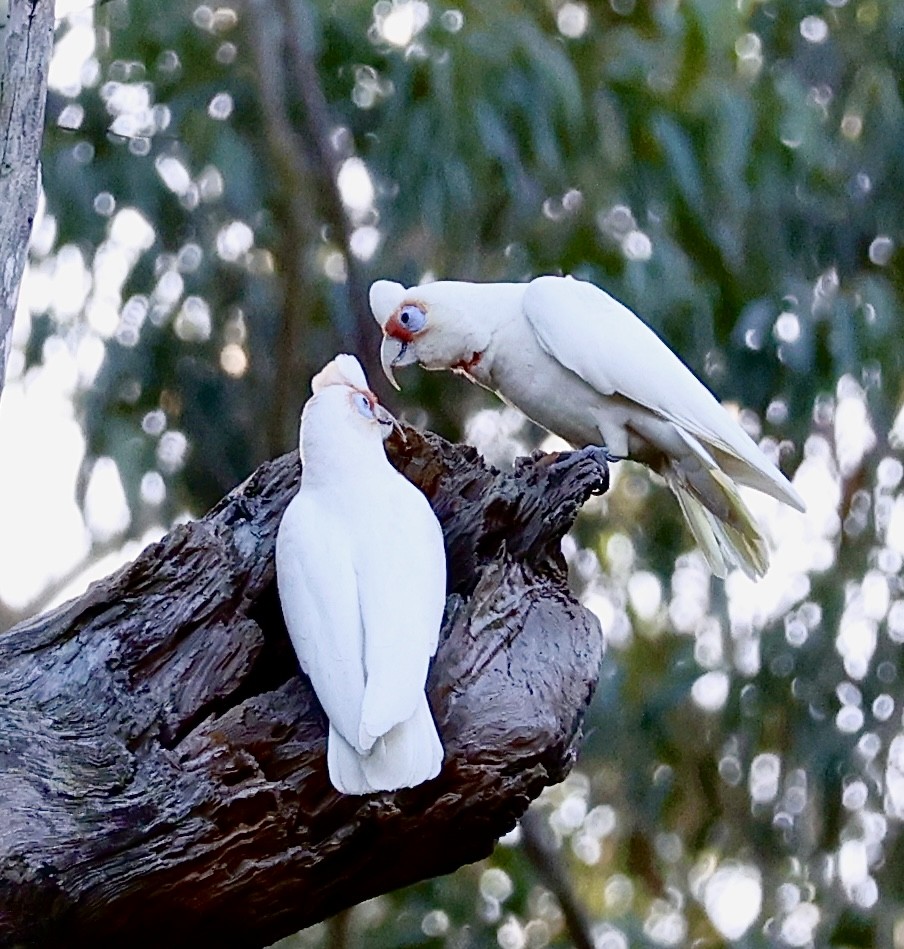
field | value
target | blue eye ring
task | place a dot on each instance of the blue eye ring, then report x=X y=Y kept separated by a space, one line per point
x=412 y=318
x=363 y=405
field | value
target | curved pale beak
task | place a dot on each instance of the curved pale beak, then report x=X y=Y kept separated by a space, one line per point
x=388 y=422
x=395 y=353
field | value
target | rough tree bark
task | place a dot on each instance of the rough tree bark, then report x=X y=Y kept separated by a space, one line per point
x=26 y=40
x=162 y=760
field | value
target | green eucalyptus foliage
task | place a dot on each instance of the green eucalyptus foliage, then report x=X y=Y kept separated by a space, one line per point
x=734 y=173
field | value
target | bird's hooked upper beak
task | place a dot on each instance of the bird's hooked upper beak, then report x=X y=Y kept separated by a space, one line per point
x=387 y=421
x=395 y=352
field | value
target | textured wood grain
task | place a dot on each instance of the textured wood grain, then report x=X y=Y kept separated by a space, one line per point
x=162 y=760
x=26 y=39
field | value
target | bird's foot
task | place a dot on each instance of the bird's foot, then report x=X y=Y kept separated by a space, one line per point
x=597 y=454
x=602 y=454
x=604 y=458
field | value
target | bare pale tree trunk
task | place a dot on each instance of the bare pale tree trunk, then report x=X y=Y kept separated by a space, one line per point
x=26 y=41
x=162 y=765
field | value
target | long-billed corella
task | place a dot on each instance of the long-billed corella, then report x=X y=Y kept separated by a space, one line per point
x=361 y=572
x=585 y=367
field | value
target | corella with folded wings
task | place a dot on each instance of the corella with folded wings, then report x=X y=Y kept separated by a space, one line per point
x=361 y=571
x=585 y=367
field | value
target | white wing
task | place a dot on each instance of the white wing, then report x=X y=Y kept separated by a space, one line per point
x=345 y=766
x=407 y=754
x=402 y=588
x=318 y=590
x=611 y=349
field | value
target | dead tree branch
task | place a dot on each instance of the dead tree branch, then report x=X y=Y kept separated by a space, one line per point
x=162 y=764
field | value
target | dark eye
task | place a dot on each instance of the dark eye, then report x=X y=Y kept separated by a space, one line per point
x=412 y=318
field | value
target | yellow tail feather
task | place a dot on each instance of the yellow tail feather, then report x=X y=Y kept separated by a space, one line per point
x=732 y=541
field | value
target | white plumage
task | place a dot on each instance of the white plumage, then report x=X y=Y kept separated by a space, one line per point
x=582 y=365
x=361 y=571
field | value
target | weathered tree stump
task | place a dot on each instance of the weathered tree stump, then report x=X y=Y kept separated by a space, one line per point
x=162 y=759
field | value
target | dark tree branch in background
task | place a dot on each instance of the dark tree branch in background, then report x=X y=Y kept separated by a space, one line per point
x=539 y=846
x=162 y=763
x=298 y=219
x=298 y=130
x=26 y=40
x=317 y=132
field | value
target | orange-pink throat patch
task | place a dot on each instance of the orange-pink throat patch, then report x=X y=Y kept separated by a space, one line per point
x=466 y=365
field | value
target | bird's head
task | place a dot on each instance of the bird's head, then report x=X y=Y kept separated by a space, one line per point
x=342 y=404
x=434 y=324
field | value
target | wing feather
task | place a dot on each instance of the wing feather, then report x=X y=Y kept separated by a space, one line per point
x=402 y=588
x=315 y=573
x=407 y=754
x=611 y=349
x=346 y=766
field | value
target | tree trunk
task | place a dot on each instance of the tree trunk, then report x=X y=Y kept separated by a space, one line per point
x=162 y=760
x=26 y=40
